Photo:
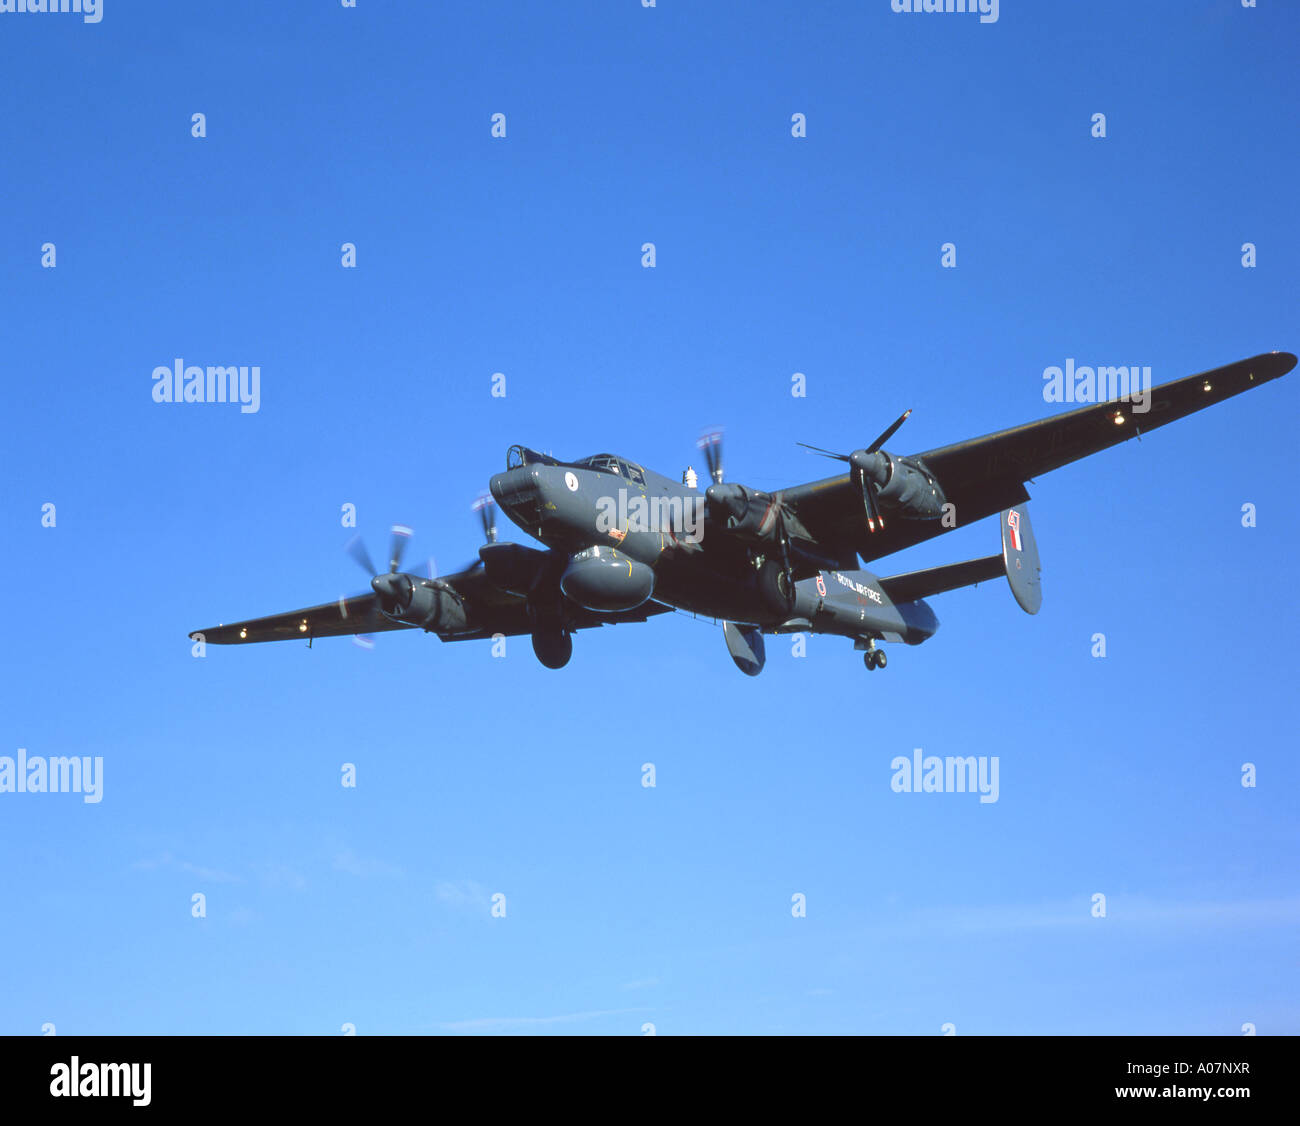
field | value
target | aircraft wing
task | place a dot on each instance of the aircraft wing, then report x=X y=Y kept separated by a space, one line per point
x=985 y=475
x=331 y=619
x=491 y=610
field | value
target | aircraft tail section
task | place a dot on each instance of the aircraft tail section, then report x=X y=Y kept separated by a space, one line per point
x=1020 y=558
x=938 y=580
x=1018 y=561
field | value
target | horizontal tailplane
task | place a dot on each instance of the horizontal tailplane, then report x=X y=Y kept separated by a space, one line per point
x=1018 y=561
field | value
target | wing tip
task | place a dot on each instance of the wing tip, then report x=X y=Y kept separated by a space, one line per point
x=1288 y=359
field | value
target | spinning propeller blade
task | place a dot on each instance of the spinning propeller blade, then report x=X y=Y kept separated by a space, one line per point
x=356 y=548
x=710 y=444
x=486 y=508
x=401 y=534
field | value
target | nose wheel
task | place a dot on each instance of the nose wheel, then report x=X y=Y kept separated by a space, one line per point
x=874 y=659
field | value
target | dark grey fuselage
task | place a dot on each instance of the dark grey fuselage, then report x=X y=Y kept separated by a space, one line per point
x=634 y=516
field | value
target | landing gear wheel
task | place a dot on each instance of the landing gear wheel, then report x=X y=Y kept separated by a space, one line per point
x=881 y=659
x=874 y=659
x=776 y=589
x=553 y=649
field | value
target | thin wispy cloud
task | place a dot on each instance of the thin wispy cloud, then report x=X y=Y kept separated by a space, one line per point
x=462 y=893
x=354 y=865
x=168 y=862
x=644 y=983
x=1120 y=910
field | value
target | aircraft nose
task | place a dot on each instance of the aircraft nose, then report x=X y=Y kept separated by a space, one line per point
x=518 y=493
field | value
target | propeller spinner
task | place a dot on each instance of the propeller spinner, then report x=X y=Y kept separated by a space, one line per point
x=863 y=462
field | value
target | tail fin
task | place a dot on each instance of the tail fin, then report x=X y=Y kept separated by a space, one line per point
x=1018 y=561
x=1020 y=557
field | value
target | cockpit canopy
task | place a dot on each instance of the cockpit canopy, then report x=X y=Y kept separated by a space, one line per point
x=608 y=463
x=518 y=456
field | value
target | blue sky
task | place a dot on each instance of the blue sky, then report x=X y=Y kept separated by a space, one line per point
x=476 y=776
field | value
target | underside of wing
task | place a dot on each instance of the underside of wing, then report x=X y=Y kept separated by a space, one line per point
x=331 y=619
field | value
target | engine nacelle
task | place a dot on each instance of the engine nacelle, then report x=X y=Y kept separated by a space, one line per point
x=902 y=486
x=426 y=603
x=513 y=566
x=746 y=513
x=606 y=580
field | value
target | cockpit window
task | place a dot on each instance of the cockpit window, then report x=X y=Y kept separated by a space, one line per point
x=517 y=456
x=605 y=463
x=601 y=463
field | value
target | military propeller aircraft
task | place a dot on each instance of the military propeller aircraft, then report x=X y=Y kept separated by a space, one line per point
x=622 y=543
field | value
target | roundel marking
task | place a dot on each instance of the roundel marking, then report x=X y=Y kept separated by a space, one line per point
x=571 y=480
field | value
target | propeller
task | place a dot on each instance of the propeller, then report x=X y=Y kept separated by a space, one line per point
x=393 y=589
x=356 y=550
x=710 y=444
x=862 y=462
x=486 y=508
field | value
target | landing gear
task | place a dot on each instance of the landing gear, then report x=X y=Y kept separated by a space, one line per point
x=775 y=587
x=874 y=659
x=553 y=648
